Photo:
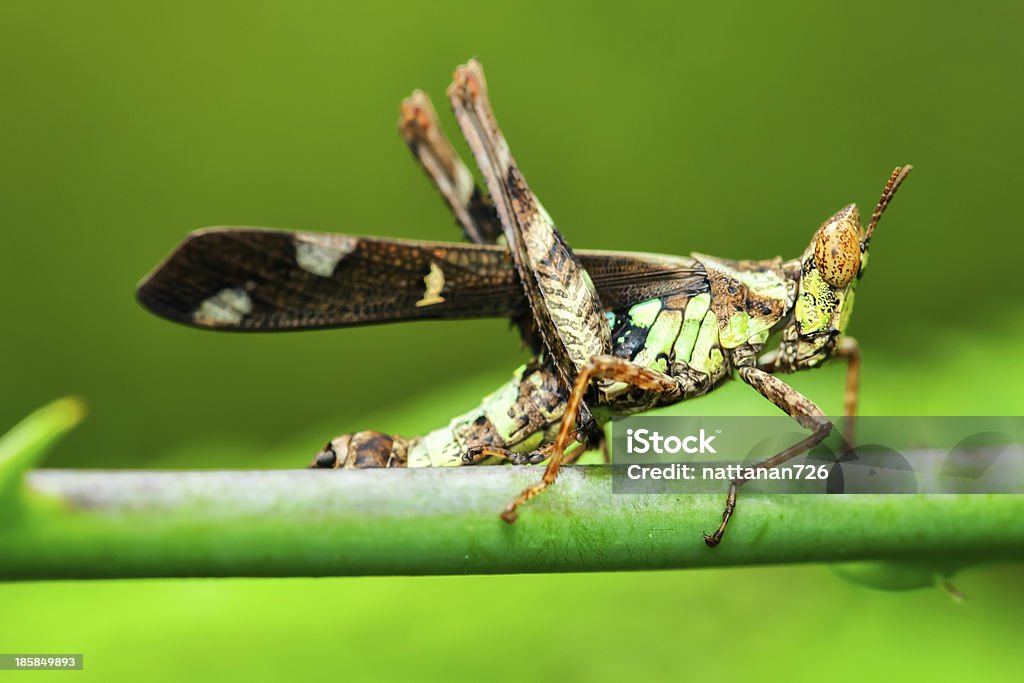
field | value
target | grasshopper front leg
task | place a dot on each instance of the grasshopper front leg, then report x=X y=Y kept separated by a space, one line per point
x=794 y=404
x=849 y=350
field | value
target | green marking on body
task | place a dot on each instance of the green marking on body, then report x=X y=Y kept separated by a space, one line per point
x=436 y=449
x=495 y=406
x=736 y=330
x=664 y=330
x=715 y=361
x=759 y=337
x=531 y=443
x=745 y=329
x=815 y=296
x=644 y=313
x=696 y=309
x=442 y=447
x=659 y=341
x=707 y=358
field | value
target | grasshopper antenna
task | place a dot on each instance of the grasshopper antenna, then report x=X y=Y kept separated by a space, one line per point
x=899 y=174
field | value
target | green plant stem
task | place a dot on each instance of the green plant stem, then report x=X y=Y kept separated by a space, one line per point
x=82 y=524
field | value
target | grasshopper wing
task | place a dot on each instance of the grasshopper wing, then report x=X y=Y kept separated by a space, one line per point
x=252 y=279
x=244 y=278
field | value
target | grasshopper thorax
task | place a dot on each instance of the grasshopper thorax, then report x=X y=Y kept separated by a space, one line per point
x=829 y=270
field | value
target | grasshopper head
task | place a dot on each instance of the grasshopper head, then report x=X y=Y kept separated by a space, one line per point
x=829 y=270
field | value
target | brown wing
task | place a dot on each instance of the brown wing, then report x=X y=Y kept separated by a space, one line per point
x=253 y=279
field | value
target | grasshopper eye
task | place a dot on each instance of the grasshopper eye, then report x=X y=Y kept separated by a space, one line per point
x=837 y=252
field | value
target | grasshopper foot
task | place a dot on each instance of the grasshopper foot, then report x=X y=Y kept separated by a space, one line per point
x=730 y=506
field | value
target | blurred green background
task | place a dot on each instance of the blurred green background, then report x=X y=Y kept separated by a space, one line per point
x=731 y=129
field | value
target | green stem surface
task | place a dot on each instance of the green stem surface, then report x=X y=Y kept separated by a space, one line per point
x=103 y=524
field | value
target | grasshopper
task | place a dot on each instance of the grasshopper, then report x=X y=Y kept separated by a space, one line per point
x=613 y=333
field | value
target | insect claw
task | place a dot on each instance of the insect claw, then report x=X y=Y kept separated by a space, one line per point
x=509 y=515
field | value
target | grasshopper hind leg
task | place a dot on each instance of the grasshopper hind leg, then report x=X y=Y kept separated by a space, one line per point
x=449 y=174
x=425 y=138
x=606 y=367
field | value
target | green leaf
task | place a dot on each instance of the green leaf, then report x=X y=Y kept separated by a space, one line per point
x=29 y=440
